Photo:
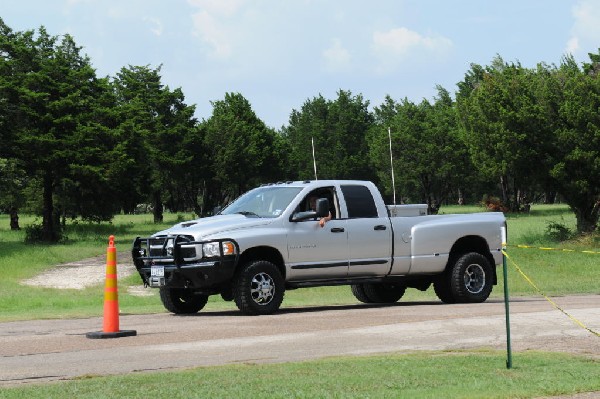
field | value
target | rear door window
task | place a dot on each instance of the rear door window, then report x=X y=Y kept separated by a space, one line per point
x=359 y=201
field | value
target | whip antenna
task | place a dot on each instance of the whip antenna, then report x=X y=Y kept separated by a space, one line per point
x=391 y=163
x=312 y=140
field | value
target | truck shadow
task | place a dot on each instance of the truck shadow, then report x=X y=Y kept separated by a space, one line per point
x=290 y=310
x=325 y=308
x=356 y=306
x=307 y=309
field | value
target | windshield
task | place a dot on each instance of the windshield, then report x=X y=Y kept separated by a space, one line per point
x=264 y=202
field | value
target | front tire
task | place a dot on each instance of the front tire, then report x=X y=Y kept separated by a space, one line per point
x=181 y=300
x=259 y=288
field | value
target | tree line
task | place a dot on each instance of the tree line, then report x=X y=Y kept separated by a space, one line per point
x=76 y=145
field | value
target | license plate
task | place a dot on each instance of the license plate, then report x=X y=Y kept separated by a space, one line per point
x=157 y=271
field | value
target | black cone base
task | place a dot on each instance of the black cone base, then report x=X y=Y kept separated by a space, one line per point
x=118 y=334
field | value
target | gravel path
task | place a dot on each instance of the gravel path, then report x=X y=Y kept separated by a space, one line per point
x=85 y=273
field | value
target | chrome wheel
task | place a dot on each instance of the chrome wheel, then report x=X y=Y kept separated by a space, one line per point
x=262 y=288
x=474 y=278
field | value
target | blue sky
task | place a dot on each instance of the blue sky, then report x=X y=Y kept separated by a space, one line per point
x=279 y=53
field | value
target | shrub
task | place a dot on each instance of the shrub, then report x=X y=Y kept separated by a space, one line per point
x=494 y=204
x=558 y=231
x=34 y=233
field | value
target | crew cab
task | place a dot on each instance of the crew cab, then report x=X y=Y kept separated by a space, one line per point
x=269 y=240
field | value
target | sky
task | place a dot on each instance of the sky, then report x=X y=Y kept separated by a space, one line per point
x=281 y=53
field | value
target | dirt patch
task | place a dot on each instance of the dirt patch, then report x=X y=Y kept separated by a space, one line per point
x=83 y=274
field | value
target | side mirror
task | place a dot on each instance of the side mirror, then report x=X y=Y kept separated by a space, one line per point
x=322 y=207
x=321 y=212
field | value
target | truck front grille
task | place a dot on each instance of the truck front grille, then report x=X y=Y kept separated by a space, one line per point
x=158 y=247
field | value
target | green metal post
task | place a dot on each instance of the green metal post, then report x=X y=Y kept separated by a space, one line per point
x=508 y=348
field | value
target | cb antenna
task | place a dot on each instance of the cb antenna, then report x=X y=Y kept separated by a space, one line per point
x=392 y=165
x=312 y=140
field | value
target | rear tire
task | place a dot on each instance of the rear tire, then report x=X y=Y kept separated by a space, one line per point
x=259 y=288
x=472 y=278
x=384 y=293
x=378 y=292
x=442 y=288
x=227 y=294
x=181 y=300
x=469 y=280
x=358 y=291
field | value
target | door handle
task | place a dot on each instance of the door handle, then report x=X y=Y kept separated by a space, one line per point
x=380 y=227
x=337 y=229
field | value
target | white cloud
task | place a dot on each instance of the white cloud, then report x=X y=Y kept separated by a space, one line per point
x=75 y=2
x=401 y=41
x=572 y=45
x=212 y=24
x=336 y=57
x=213 y=33
x=585 y=34
x=220 y=7
x=156 y=26
x=397 y=45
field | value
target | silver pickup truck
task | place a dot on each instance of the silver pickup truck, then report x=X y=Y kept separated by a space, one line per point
x=271 y=239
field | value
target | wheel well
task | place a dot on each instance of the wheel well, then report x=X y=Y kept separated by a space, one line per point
x=263 y=253
x=471 y=244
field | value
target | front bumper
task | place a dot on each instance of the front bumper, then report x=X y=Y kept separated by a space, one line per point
x=177 y=261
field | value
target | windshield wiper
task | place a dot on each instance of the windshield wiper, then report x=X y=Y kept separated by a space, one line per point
x=248 y=213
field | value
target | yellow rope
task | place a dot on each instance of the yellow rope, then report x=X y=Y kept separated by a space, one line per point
x=546 y=297
x=555 y=249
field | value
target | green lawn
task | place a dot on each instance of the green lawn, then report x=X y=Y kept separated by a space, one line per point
x=478 y=374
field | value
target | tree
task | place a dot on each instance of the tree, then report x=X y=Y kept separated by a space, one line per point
x=503 y=126
x=154 y=123
x=429 y=158
x=300 y=133
x=575 y=153
x=54 y=88
x=11 y=174
x=12 y=181
x=242 y=149
x=339 y=131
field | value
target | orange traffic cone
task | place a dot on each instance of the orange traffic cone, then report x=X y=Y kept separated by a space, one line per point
x=111 y=299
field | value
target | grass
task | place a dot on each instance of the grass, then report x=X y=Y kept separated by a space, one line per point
x=479 y=374
x=555 y=272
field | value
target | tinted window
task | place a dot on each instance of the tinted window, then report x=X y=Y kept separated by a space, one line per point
x=359 y=201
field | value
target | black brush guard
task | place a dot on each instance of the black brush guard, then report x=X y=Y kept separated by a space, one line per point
x=171 y=253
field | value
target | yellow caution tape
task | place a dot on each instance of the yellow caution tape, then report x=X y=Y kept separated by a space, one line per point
x=579 y=323
x=554 y=249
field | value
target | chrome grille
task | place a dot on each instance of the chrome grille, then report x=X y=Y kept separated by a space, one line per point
x=157 y=247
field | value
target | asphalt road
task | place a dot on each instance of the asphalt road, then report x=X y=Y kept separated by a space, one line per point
x=47 y=350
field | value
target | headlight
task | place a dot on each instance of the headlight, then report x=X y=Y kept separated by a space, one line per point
x=212 y=249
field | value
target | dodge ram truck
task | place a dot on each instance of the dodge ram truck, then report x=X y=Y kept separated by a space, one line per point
x=269 y=240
